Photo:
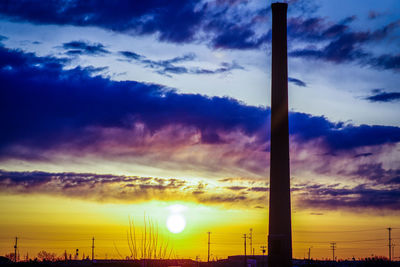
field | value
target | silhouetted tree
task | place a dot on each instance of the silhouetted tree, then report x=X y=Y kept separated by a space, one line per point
x=151 y=245
x=46 y=256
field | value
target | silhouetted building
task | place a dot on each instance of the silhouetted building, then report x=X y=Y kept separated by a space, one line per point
x=280 y=229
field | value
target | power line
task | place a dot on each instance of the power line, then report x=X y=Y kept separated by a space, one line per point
x=343 y=231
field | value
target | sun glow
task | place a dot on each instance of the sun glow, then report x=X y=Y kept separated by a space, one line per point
x=176 y=223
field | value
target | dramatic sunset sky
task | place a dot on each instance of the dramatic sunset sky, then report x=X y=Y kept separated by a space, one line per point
x=111 y=109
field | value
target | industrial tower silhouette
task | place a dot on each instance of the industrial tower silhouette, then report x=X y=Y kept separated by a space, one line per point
x=280 y=229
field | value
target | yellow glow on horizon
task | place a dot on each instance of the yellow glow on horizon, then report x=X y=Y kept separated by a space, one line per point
x=57 y=224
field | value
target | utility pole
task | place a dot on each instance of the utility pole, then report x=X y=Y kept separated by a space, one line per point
x=390 y=244
x=208 y=255
x=15 y=249
x=263 y=250
x=93 y=249
x=333 y=247
x=309 y=253
x=245 y=257
x=251 y=241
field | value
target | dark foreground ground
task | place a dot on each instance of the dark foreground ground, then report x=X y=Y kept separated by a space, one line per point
x=230 y=262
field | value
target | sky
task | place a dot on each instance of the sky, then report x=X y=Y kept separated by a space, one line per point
x=143 y=109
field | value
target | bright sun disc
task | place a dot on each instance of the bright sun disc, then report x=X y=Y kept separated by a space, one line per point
x=176 y=223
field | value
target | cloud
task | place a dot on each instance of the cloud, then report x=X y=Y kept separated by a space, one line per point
x=236 y=188
x=376 y=173
x=84 y=48
x=259 y=189
x=315 y=29
x=344 y=45
x=297 y=82
x=168 y=67
x=131 y=55
x=359 y=198
x=52 y=113
x=372 y=14
x=88 y=185
x=133 y=189
x=386 y=62
x=382 y=96
x=363 y=155
x=220 y=24
x=175 y=21
x=233 y=36
x=114 y=188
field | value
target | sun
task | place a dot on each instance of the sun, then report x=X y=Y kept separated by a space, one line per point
x=176 y=223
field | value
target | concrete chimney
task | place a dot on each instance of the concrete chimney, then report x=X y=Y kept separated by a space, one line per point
x=280 y=228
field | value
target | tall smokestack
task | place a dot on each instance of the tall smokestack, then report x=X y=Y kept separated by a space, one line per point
x=280 y=228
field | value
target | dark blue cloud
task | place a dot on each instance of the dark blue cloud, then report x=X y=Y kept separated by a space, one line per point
x=131 y=55
x=174 y=20
x=381 y=96
x=82 y=47
x=297 y=82
x=221 y=24
x=230 y=35
x=356 y=198
x=387 y=61
x=344 y=44
x=340 y=136
x=43 y=106
x=343 y=49
x=314 y=29
x=168 y=67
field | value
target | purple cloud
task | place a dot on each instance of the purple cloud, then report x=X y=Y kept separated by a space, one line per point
x=45 y=106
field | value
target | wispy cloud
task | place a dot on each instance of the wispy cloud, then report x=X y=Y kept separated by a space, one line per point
x=344 y=44
x=84 y=48
x=360 y=198
x=382 y=96
x=169 y=67
x=113 y=188
x=133 y=189
x=297 y=82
